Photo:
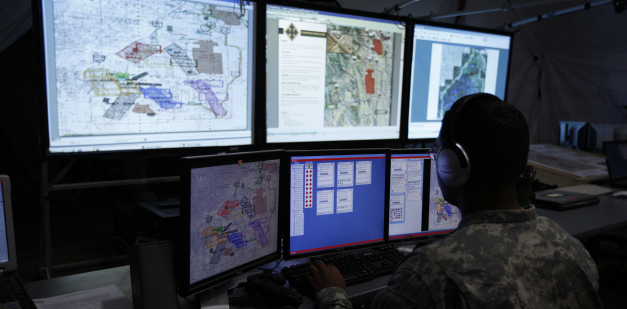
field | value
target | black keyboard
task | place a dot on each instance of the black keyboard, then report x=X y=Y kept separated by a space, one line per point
x=355 y=267
x=11 y=290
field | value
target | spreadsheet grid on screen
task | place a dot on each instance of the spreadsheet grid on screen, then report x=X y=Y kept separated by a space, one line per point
x=336 y=201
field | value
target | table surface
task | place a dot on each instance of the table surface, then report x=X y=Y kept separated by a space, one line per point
x=610 y=214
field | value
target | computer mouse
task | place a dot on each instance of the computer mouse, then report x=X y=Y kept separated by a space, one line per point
x=620 y=194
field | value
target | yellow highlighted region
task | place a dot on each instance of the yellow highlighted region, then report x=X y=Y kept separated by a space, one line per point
x=213 y=238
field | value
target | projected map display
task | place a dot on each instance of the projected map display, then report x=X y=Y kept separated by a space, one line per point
x=448 y=64
x=332 y=77
x=463 y=72
x=234 y=216
x=125 y=67
x=358 y=77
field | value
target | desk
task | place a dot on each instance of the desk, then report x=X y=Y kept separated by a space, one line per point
x=213 y=298
x=119 y=276
x=610 y=214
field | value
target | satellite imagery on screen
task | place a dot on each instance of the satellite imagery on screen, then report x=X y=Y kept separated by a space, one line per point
x=359 y=73
x=463 y=72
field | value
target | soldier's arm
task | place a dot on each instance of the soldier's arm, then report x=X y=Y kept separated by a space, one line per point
x=333 y=298
x=404 y=289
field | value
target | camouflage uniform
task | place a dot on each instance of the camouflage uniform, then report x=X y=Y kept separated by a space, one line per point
x=494 y=259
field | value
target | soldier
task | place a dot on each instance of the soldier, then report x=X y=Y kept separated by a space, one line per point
x=501 y=255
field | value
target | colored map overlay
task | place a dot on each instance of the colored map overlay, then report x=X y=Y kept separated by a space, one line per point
x=442 y=215
x=234 y=216
x=462 y=73
x=136 y=67
x=358 y=77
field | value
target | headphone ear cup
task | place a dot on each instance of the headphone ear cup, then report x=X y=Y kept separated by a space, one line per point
x=450 y=170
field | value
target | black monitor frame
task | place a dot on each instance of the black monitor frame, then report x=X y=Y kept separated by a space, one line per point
x=183 y=245
x=255 y=74
x=285 y=198
x=613 y=179
x=410 y=56
x=405 y=82
x=425 y=235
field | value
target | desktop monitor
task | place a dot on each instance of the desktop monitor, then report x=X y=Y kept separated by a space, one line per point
x=574 y=134
x=229 y=217
x=337 y=201
x=128 y=75
x=449 y=62
x=616 y=160
x=417 y=209
x=333 y=75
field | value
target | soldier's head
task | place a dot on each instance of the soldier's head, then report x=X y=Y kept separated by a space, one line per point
x=483 y=142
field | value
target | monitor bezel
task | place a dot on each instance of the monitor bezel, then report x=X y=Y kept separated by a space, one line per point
x=414 y=23
x=41 y=93
x=423 y=235
x=607 y=161
x=402 y=20
x=11 y=265
x=183 y=247
x=285 y=199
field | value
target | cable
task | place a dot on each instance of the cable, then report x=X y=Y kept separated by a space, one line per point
x=402 y=240
x=275 y=266
x=122 y=244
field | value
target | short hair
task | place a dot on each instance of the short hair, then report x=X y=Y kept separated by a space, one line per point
x=496 y=135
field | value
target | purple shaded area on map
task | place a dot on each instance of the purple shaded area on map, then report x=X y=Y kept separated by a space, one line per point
x=204 y=89
x=259 y=232
x=161 y=96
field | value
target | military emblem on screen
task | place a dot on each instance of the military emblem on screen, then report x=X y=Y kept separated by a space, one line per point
x=291 y=32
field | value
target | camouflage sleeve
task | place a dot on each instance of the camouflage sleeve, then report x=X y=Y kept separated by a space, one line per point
x=405 y=288
x=333 y=298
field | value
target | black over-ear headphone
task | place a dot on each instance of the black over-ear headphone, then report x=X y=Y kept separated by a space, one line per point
x=453 y=161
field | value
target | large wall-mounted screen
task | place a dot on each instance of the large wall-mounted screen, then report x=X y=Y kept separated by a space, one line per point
x=127 y=74
x=332 y=77
x=448 y=64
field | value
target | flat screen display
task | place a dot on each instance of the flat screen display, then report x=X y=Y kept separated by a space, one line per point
x=233 y=216
x=332 y=77
x=448 y=64
x=130 y=75
x=336 y=202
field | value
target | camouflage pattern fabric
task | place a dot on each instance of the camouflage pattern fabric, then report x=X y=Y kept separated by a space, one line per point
x=494 y=259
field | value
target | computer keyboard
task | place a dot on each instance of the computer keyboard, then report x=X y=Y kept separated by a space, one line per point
x=355 y=267
x=11 y=291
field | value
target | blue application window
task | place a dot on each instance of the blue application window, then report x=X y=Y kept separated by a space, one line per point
x=336 y=201
x=4 y=250
x=407 y=173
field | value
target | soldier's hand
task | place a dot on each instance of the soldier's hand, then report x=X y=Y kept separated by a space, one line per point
x=322 y=276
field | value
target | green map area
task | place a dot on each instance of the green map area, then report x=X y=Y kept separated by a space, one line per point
x=462 y=73
x=359 y=70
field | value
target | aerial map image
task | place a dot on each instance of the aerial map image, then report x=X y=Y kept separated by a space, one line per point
x=462 y=72
x=234 y=213
x=442 y=215
x=359 y=71
x=134 y=67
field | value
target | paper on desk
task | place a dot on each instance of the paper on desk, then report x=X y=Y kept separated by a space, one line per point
x=564 y=160
x=108 y=297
